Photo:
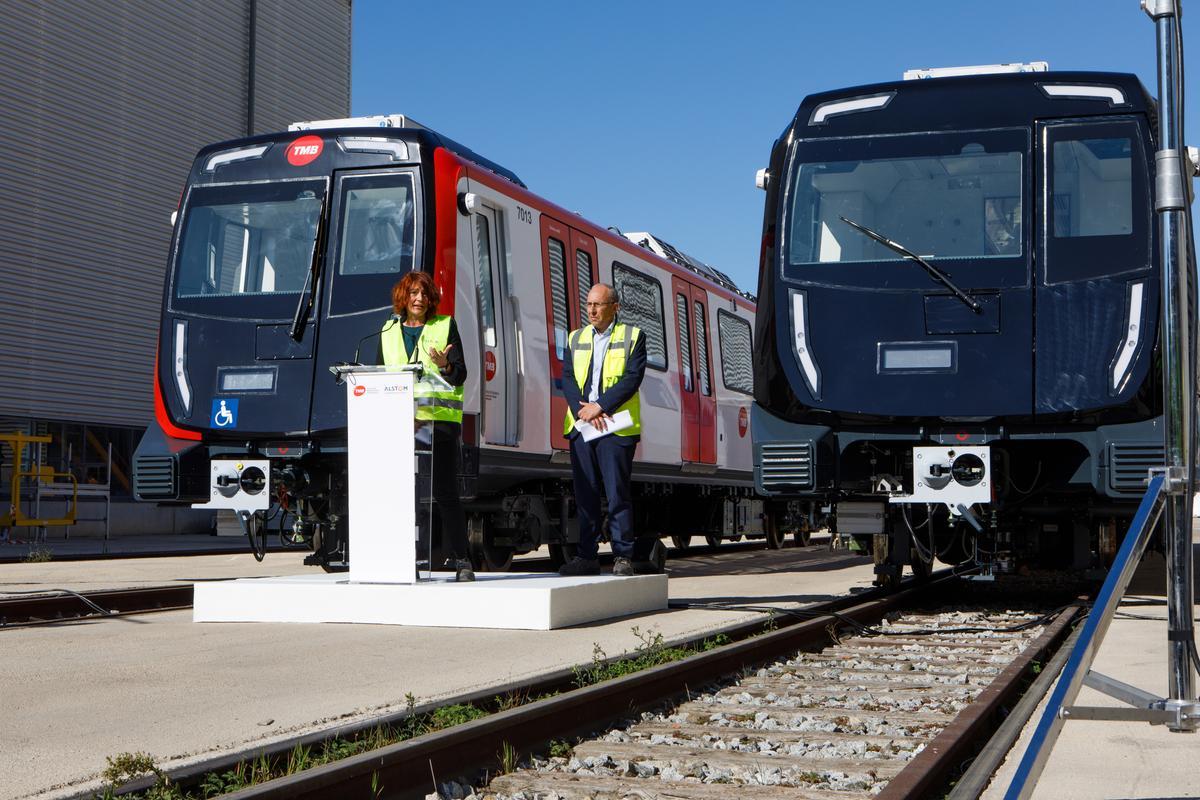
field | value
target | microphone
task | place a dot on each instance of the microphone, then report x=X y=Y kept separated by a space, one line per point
x=392 y=320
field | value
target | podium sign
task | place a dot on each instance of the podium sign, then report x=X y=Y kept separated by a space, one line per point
x=382 y=474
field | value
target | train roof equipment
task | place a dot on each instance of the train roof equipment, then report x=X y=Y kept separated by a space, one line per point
x=665 y=250
x=925 y=73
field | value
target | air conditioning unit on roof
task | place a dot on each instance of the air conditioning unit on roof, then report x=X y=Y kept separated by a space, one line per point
x=376 y=121
x=981 y=69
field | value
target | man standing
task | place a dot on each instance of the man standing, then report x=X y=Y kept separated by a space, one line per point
x=601 y=375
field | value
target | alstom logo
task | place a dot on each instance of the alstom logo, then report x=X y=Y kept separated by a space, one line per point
x=304 y=150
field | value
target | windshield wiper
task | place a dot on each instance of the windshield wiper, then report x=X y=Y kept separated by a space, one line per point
x=300 y=319
x=933 y=271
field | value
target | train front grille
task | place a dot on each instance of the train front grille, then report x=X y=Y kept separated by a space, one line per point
x=787 y=465
x=154 y=478
x=1129 y=465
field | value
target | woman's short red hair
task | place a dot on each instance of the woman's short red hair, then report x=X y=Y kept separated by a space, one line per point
x=411 y=281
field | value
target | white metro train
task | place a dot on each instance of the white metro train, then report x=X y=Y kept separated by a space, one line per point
x=284 y=251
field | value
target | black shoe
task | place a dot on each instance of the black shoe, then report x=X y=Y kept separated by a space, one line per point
x=622 y=567
x=580 y=566
x=463 y=571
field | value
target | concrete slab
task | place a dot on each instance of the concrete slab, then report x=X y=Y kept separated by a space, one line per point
x=158 y=683
x=513 y=601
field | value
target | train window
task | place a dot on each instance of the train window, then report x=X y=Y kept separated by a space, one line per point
x=733 y=335
x=1099 y=201
x=246 y=249
x=702 y=350
x=641 y=301
x=583 y=271
x=483 y=278
x=948 y=196
x=685 y=340
x=558 y=296
x=376 y=239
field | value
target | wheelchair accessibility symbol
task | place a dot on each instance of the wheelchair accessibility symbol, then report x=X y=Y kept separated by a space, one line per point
x=224 y=413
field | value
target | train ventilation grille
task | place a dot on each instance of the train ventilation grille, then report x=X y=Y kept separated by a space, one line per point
x=1129 y=465
x=154 y=478
x=787 y=466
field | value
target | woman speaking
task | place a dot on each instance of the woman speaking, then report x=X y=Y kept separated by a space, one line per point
x=423 y=337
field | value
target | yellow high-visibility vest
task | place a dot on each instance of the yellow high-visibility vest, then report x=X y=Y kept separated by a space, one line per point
x=624 y=337
x=435 y=399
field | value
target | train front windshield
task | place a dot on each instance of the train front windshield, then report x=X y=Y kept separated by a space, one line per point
x=245 y=250
x=942 y=196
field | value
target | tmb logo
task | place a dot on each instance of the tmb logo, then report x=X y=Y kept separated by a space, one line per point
x=743 y=422
x=360 y=390
x=304 y=150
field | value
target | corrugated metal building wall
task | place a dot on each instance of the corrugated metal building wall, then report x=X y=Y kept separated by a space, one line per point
x=102 y=107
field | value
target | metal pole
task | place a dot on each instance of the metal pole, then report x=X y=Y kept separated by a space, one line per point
x=1179 y=391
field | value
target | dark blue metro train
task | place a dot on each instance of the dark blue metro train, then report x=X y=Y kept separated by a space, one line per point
x=956 y=350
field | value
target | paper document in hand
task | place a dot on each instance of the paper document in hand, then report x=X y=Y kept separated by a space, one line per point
x=617 y=422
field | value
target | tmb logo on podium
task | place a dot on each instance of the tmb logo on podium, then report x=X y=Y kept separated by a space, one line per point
x=224 y=413
x=360 y=390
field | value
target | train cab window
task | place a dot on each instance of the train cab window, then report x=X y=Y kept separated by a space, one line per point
x=733 y=336
x=376 y=239
x=641 y=299
x=1098 y=201
x=246 y=249
x=558 y=296
x=685 y=341
x=483 y=278
x=702 y=351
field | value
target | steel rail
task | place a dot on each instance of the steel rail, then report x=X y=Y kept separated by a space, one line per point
x=66 y=606
x=562 y=680
x=933 y=766
x=408 y=769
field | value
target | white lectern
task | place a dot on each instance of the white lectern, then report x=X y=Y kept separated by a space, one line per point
x=382 y=473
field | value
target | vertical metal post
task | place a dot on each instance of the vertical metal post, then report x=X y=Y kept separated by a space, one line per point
x=1179 y=390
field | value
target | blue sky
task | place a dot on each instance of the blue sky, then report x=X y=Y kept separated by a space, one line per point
x=655 y=115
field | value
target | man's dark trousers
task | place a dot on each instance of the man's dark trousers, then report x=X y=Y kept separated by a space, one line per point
x=610 y=460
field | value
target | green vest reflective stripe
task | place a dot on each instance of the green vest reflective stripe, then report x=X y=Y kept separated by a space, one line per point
x=435 y=399
x=624 y=337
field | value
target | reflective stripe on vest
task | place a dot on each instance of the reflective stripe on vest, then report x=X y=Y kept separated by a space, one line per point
x=435 y=399
x=620 y=345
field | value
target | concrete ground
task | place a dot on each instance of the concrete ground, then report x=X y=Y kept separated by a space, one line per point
x=159 y=683
x=1119 y=760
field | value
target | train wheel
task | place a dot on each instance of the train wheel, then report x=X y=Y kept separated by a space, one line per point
x=486 y=555
x=773 y=529
x=713 y=541
x=682 y=541
x=921 y=568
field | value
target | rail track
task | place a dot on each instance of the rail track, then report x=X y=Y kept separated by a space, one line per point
x=815 y=705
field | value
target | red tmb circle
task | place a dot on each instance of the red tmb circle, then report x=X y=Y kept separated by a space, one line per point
x=304 y=150
x=489 y=365
x=359 y=391
x=743 y=422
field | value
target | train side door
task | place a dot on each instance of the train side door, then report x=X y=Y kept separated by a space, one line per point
x=499 y=385
x=698 y=418
x=562 y=311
